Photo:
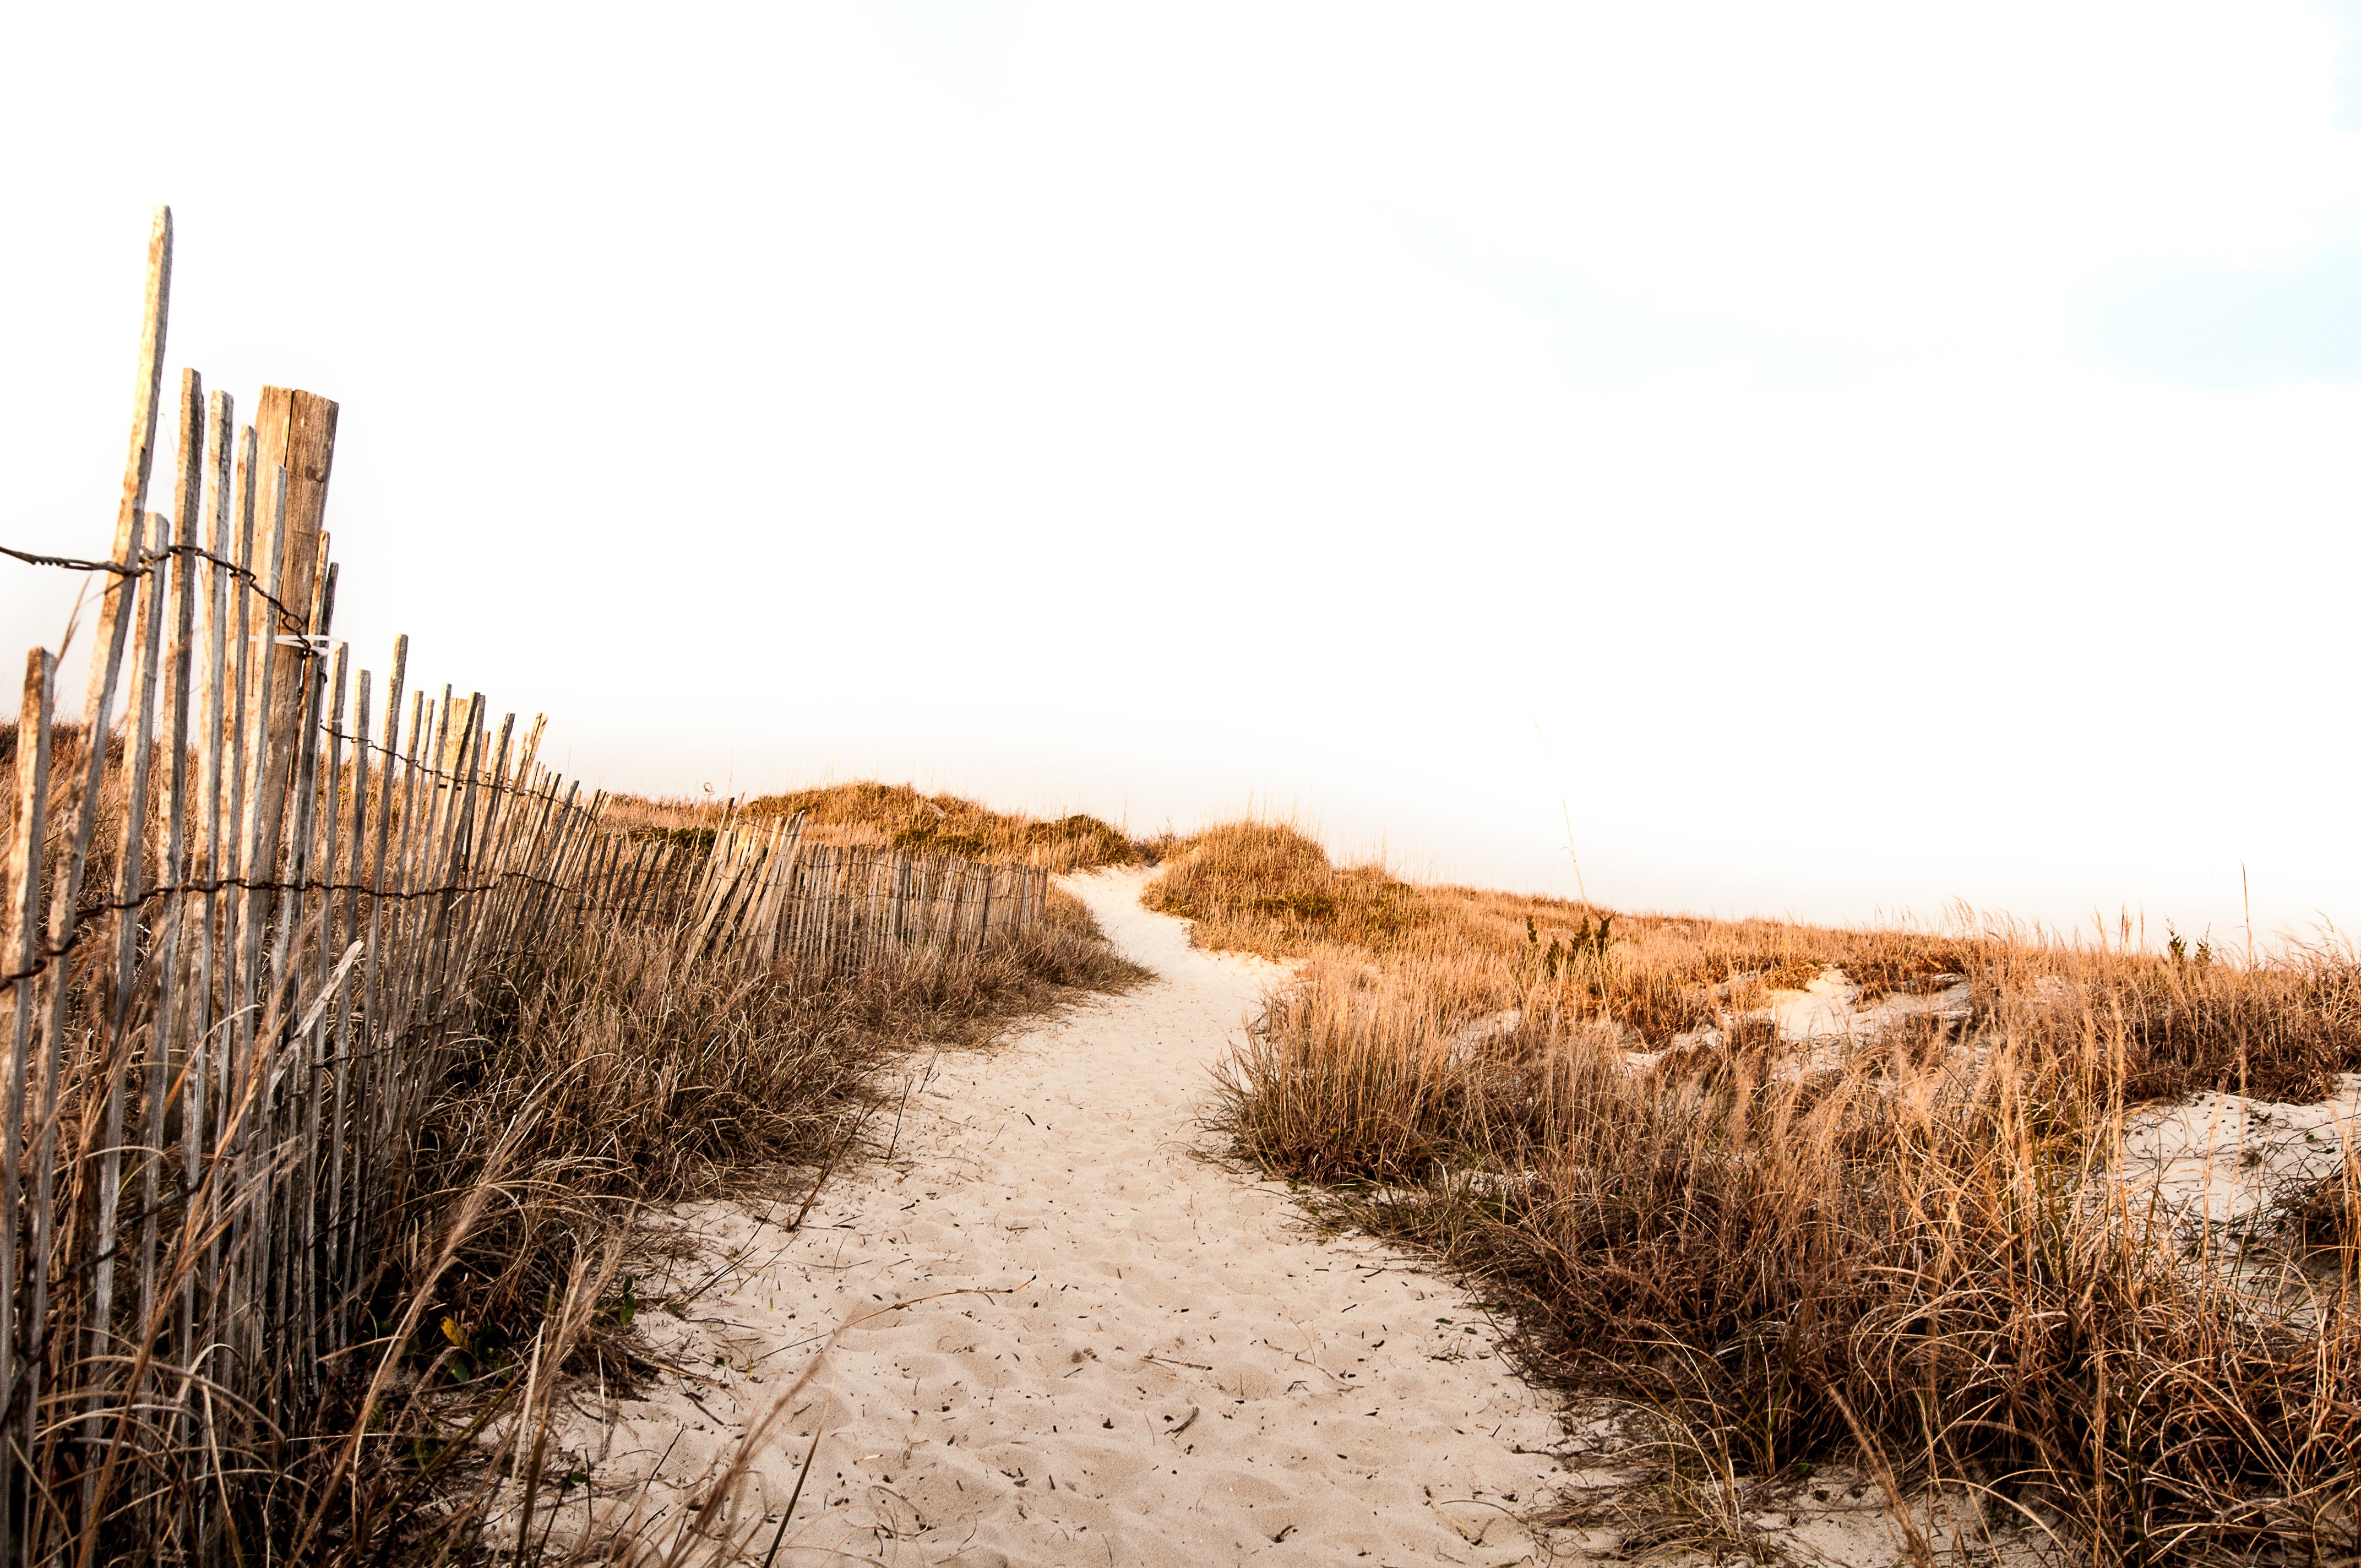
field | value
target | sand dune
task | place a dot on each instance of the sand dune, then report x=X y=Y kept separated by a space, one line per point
x=1073 y=1339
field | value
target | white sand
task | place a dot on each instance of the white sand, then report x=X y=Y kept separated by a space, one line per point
x=1186 y=1376
x=2219 y=1157
x=1828 y=1008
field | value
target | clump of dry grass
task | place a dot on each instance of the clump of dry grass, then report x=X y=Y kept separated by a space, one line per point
x=868 y=813
x=1911 y=1251
x=1266 y=888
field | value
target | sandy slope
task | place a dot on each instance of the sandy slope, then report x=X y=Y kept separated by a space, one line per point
x=2219 y=1157
x=1184 y=1375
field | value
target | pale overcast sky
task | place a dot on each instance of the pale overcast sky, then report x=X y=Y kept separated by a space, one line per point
x=1894 y=454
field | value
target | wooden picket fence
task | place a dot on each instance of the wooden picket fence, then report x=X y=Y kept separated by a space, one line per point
x=245 y=910
x=840 y=907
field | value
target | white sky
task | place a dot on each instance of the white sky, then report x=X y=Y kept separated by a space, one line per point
x=1894 y=455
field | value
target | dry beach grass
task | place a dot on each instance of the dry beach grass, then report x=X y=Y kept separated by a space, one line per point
x=1910 y=1251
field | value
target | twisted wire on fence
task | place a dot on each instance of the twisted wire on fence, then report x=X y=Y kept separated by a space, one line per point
x=219 y=1061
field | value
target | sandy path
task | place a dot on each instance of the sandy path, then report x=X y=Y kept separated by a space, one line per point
x=1189 y=1377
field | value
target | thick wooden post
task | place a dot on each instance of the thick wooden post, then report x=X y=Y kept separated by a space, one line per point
x=295 y=436
x=297 y=430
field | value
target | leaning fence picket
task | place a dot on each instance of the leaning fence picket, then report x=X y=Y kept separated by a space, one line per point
x=19 y=950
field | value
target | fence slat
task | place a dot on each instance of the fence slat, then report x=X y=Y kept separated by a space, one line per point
x=20 y=946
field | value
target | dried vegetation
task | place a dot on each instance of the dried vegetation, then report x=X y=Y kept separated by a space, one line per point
x=1908 y=1253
